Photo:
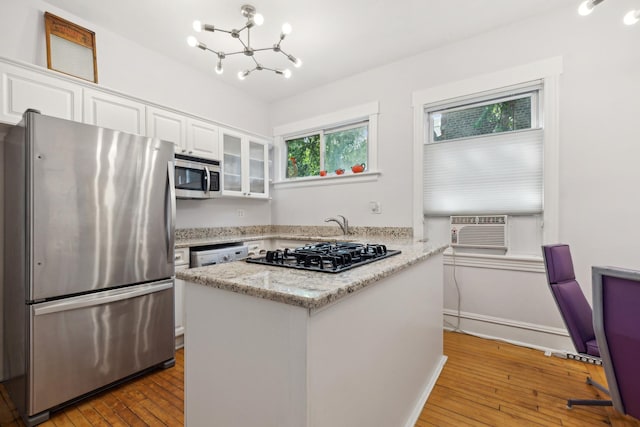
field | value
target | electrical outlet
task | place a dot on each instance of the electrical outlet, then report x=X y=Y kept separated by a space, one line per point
x=240 y=212
x=375 y=208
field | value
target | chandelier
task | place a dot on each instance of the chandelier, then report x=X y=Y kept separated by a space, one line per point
x=586 y=7
x=253 y=19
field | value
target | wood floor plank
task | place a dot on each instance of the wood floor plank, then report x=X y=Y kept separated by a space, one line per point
x=77 y=418
x=503 y=384
x=483 y=383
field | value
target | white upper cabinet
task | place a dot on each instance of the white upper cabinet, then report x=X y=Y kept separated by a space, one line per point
x=203 y=139
x=245 y=165
x=26 y=86
x=114 y=112
x=23 y=89
x=192 y=137
x=168 y=126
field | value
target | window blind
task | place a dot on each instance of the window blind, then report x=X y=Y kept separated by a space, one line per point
x=496 y=173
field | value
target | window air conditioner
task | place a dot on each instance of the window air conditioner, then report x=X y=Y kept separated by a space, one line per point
x=485 y=231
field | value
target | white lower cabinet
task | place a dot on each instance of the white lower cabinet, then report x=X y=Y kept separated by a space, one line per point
x=24 y=89
x=113 y=112
x=181 y=257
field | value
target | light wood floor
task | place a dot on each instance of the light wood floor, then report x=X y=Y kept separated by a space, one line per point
x=483 y=383
x=487 y=382
x=156 y=399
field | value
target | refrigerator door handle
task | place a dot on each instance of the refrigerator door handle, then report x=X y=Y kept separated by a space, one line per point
x=100 y=298
x=170 y=212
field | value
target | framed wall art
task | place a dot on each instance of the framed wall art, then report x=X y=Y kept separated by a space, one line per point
x=71 y=49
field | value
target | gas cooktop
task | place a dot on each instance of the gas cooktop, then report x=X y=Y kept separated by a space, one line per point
x=326 y=257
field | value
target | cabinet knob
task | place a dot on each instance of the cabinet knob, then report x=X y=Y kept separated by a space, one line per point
x=184 y=150
x=190 y=152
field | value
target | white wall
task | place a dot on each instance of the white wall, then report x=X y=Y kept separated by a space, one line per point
x=599 y=106
x=140 y=72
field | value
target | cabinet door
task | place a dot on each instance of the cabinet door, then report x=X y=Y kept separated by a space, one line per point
x=113 y=112
x=232 y=167
x=202 y=139
x=179 y=304
x=23 y=89
x=258 y=169
x=168 y=126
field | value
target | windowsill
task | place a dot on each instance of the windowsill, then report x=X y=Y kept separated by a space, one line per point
x=528 y=263
x=347 y=178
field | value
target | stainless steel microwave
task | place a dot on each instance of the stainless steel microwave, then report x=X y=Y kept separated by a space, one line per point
x=196 y=178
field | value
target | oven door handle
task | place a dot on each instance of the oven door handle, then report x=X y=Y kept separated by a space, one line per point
x=206 y=180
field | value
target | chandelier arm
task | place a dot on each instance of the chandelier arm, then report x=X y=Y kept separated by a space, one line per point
x=261 y=49
x=234 y=53
x=246 y=46
x=210 y=50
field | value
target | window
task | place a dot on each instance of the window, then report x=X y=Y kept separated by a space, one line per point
x=485 y=156
x=330 y=150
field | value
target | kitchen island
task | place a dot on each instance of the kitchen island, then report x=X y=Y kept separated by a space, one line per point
x=270 y=346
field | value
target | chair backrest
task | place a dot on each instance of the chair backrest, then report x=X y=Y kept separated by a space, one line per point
x=616 y=315
x=574 y=307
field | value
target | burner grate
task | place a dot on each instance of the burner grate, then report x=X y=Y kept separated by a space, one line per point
x=326 y=257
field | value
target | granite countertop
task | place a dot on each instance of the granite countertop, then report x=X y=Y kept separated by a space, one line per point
x=215 y=240
x=302 y=288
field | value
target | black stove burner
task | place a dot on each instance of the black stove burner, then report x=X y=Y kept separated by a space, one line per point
x=326 y=257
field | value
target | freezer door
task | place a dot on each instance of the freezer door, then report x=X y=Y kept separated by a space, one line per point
x=82 y=343
x=102 y=208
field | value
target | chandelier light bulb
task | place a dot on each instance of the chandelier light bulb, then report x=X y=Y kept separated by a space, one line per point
x=298 y=63
x=219 y=69
x=243 y=74
x=258 y=19
x=192 y=41
x=632 y=17
x=585 y=8
x=286 y=73
x=197 y=26
x=286 y=28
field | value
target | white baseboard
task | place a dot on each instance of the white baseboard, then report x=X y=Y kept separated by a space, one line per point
x=539 y=337
x=415 y=414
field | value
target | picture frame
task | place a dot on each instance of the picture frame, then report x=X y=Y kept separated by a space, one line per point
x=71 y=49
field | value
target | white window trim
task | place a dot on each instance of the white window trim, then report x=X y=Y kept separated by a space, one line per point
x=547 y=70
x=317 y=124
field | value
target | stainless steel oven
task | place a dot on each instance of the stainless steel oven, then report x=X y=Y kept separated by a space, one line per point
x=196 y=178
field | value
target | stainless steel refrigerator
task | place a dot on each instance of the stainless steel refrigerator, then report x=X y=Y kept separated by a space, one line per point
x=89 y=268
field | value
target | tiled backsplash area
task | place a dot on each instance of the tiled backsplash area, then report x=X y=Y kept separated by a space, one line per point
x=303 y=230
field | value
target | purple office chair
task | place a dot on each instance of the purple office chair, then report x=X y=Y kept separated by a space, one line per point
x=574 y=309
x=616 y=321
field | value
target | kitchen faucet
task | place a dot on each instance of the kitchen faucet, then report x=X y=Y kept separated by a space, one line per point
x=344 y=225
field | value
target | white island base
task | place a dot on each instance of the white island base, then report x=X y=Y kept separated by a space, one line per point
x=368 y=359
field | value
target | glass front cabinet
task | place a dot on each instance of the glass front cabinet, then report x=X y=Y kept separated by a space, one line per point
x=245 y=165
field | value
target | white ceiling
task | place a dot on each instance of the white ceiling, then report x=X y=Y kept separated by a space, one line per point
x=334 y=38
